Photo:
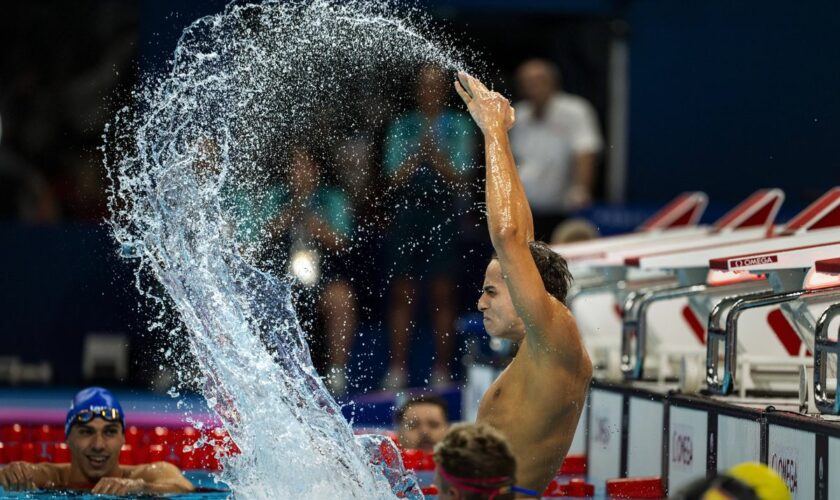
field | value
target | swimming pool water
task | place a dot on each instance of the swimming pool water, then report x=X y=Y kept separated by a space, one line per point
x=201 y=480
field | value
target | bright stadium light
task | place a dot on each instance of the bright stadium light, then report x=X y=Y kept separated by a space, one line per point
x=304 y=266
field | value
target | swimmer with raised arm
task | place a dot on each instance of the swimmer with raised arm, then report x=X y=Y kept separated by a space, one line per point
x=537 y=400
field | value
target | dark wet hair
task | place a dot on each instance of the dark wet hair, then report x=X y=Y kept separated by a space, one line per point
x=553 y=269
x=422 y=399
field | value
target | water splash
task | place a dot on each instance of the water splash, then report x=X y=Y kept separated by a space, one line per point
x=243 y=84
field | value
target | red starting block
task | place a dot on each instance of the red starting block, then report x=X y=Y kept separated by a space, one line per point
x=573 y=465
x=576 y=488
x=418 y=460
x=636 y=487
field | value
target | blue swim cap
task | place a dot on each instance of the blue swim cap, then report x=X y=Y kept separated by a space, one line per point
x=97 y=400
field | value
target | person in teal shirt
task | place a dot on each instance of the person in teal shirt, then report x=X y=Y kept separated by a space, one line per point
x=303 y=214
x=428 y=155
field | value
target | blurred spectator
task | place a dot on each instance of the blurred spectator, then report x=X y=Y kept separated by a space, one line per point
x=474 y=461
x=572 y=230
x=311 y=224
x=556 y=141
x=422 y=422
x=427 y=151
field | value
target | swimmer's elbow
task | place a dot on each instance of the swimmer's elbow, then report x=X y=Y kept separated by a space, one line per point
x=505 y=235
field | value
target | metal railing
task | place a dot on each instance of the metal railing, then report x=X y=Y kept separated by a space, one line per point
x=823 y=346
x=635 y=324
x=716 y=333
x=726 y=384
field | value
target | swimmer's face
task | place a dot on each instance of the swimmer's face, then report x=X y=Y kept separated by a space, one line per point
x=95 y=448
x=536 y=82
x=423 y=426
x=500 y=317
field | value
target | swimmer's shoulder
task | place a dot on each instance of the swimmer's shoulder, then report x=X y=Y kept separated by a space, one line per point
x=149 y=471
x=54 y=475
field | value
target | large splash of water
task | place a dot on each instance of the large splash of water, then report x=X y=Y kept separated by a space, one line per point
x=242 y=84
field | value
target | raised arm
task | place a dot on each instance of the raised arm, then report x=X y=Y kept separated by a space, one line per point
x=509 y=217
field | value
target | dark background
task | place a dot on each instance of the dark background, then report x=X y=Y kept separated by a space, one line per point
x=724 y=97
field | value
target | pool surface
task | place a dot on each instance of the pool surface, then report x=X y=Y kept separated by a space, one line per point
x=202 y=480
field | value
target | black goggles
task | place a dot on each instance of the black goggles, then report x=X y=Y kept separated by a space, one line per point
x=107 y=414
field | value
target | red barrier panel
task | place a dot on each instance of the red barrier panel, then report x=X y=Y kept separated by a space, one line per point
x=186 y=436
x=3 y=453
x=418 y=460
x=127 y=455
x=430 y=490
x=636 y=487
x=576 y=488
x=60 y=453
x=13 y=451
x=160 y=435
x=47 y=434
x=28 y=452
x=389 y=454
x=198 y=458
x=156 y=453
x=134 y=436
x=189 y=458
x=14 y=433
x=573 y=465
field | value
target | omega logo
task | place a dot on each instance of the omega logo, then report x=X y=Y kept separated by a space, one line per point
x=682 y=449
x=767 y=259
x=787 y=468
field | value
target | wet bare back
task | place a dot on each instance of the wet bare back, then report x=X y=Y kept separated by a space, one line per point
x=537 y=401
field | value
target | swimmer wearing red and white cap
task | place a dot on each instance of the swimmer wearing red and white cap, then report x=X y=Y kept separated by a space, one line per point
x=537 y=401
x=95 y=433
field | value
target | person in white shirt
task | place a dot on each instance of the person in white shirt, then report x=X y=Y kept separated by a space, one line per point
x=556 y=142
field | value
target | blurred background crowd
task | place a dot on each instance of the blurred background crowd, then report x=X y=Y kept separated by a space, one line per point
x=621 y=104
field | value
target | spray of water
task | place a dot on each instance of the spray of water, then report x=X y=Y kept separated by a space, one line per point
x=243 y=84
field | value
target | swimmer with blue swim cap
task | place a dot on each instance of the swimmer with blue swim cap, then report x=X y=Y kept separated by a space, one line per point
x=95 y=432
x=91 y=403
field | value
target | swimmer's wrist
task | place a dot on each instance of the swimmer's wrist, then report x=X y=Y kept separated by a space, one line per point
x=495 y=132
